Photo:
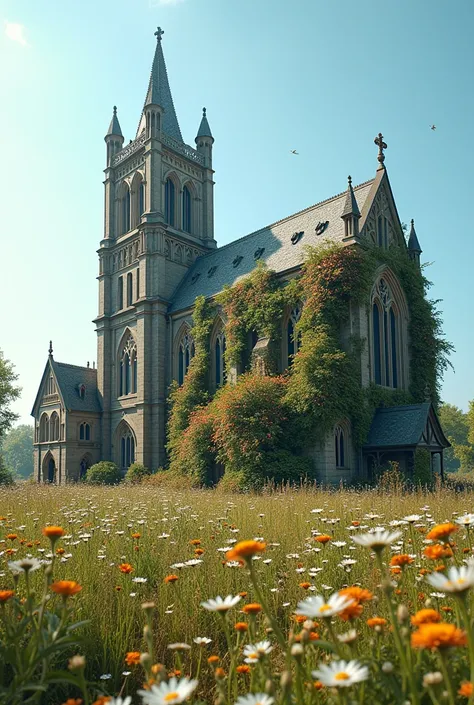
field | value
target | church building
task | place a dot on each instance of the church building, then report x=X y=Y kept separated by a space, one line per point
x=159 y=252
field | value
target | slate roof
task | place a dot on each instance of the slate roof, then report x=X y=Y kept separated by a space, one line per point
x=402 y=426
x=69 y=379
x=204 y=129
x=211 y=272
x=114 y=127
x=413 y=242
x=159 y=93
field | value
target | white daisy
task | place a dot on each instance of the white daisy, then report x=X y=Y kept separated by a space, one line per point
x=179 y=646
x=457 y=580
x=221 y=604
x=377 y=540
x=255 y=699
x=202 y=640
x=170 y=693
x=254 y=652
x=25 y=565
x=412 y=518
x=120 y=701
x=465 y=520
x=317 y=606
x=341 y=674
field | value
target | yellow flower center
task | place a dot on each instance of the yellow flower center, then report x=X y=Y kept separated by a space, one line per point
x=342 y=676
x=254 y=654
x=325 y=608
x=461 y=581
x=170 y=697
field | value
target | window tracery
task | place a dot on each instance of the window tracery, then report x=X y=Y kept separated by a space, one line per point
x=386 y=333
x=293 y=337
x=339 y=447
x=186 y=352
x=54 y=427
x=128 y=368
x=219 y=358
x=127 y=448
x=84 y=432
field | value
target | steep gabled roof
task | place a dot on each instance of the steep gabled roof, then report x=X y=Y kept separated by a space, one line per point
x=402 y=426
x=114 y=127
x=159 y=93
x=69 y=379
x=280 y=245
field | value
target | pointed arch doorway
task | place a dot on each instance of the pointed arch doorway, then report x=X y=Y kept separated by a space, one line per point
x=49 y=469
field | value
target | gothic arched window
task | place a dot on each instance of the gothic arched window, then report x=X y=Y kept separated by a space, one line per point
x=219 y=358
x=170 y=197
x=141 y=200
x=44 y=428
x=127 y=448
x=54 y=427
x=120 y=293
x=84 y=432
x=339 y=447
x=293 y=337
x=125 y=210
x=185 y=355
x=129 y=289
x=186 y=209
x=386 y=344
x=128 y=372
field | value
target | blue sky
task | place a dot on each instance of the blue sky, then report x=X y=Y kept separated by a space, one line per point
x=319 y=76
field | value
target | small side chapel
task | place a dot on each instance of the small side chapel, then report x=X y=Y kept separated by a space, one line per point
x=158 y=253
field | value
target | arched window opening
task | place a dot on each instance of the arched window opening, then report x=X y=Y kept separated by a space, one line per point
x=385 y=336
x=219 y=359
x=382 y=231
x=54 y=427
x=186 y=209
x=126 y=211
x=137 y=280
x=293 y=336
x=120 y=293
x=127 y=449
x=50 y=386
x=170 y=195
x=141 y=200
x=128 y=373
x=44 y=428
x=129 y=289
x=339 y=447
x=84 y=432
x=185 y=355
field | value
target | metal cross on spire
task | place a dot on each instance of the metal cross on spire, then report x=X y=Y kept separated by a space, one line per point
x=381 y=145
x=50 y=351
x=159 y=33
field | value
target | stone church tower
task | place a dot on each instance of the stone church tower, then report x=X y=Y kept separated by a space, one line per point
x=158 y=219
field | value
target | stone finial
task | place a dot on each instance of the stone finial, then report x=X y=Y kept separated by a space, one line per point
x=50 y=351
x=159 y=33
x=381 y=145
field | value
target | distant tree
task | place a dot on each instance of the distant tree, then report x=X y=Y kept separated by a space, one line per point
x=6 y=475
x=455 y=425
x=8 y=393
x=470 y=422
x=17 y=450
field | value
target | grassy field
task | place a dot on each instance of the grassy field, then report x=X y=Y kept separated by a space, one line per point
x=158 y=530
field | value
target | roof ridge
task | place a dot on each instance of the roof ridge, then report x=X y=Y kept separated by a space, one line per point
x=403 y=406
x=77 y=367
x=277 y=222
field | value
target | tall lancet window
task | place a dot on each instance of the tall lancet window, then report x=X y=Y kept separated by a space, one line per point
x=141 y=200
x=293 y=337
x=339 y=447
x=127 y=449
x=127 y=382
x=126 y=211
x=219 y=359
x=186 y=209
x=386 y=344
x=185 y=354
x=170 y=197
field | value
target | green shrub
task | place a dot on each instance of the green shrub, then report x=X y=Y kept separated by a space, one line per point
x=6 y=475
x=136 y=473
x=103 y=473
x=422 y=474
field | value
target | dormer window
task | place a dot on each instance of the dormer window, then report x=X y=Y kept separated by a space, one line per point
x=321 y=227
x=211 y=271
x=195 y=277
x=237 y=260
x=258 y=253
x=82 y=391
x=296 y=237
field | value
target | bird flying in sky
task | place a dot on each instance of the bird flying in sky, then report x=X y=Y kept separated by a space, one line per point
x=293 y=151
x=433 y=127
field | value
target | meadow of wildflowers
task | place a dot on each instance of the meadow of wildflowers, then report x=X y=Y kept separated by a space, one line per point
x=152 y=596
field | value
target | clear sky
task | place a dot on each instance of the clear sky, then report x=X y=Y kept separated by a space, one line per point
x=319 y=76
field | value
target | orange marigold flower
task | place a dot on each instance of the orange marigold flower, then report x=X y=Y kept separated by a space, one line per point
x=73 y=701
x=243 y=594
x=132 y=658
x=439 y=568
x=446 y=609
x=355 y=523
x=6 y=595
x=317 y=685
x=324 y=538
x=198 y=551
x=421 y=596
x=305 y=585
x=299 y=618
x=357 y=593
x=241 y=627
x=66 y=588
x=466 y=689
x=426 y=616
x=60 y=551
x=243 y=669
x=437 y=551
x=213 y=659
x=12 y=537
x=442 y=532
x=401 y=560
x=171 y=579
x=438 y=636
x=245 y=549
x=136 y=535
x=252 y=608
x=466 y=550
x=53 y=532
x=373 y=622
x=10 y=551
x=351 y=612
x=396 y=570
x=313 y=636
x=219 y=672
x=118 y=588
x=125 y=568
x=102 y=700
x=195 y=542
x=30 y=544
x=424 y=571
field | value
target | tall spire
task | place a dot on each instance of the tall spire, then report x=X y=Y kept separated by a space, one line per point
x=204 y=129
x=414 y=249
x=350 y=205
x=159 y=93
x=114 y=127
